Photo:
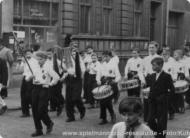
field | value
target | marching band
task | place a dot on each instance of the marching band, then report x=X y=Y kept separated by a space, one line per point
x=92 y=81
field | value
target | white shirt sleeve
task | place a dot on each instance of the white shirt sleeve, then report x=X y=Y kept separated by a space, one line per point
x=117 y=74
x=55 y=77
x=127 y=67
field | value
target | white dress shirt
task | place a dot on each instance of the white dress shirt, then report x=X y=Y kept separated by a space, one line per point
x=33 y=63
x=109 y=70
x=45 y=75
x=88 y=58
x=135 y=64
x=118 y=131
x=94 y=67
x=49 y=63
x=115 y=60
x=168 y=67
x=71 y=70
x=147 y=66
x=180 y=67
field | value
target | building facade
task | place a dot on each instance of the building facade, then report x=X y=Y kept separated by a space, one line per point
x=123 y=24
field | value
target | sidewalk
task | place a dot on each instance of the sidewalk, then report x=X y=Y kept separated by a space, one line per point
x=13 y=99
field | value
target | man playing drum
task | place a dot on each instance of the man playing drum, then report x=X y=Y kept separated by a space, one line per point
x=180 y=73
x=133 y=70
x=109 y=74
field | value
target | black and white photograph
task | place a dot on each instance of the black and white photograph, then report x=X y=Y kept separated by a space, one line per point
x=95 y=68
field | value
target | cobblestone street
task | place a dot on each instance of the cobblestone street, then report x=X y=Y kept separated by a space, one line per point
x=12 y=126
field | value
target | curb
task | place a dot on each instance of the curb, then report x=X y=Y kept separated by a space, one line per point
x=14 y=109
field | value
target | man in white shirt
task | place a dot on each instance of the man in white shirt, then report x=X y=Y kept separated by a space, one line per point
x=110 y=74
x=168 y=67
x=56 y=97
x=92 y=68
x=73 y=81
x=134 y=70
x=27 y=86
x=43 y=78
x=152 y=51
x=87 y=60
x=181 y=72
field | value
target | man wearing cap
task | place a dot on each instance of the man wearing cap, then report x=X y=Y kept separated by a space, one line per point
x=43 y=78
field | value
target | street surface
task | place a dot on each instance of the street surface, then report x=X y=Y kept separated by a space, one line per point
x=12 y=126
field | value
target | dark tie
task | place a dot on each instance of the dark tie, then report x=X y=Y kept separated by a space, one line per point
x=55 y=65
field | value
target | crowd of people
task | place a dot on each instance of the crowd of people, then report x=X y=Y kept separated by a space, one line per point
x=46 y=76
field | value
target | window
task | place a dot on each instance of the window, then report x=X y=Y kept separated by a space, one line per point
x=107 y=13
x=138 y=6
x=35 y=12
x=85 y=20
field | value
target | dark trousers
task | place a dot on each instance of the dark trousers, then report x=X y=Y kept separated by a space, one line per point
x=179 y=102
x=4 y=92
x=26 y=96
x=146 y=109
x=171 y=105
x=107 y=103
x=157 y=118
x=56 y=97
x=40 y=97
x=73 y=96
x=91 y=84
x=70 y=107
x=104 y=105
x=85 y=86
x=134 y=92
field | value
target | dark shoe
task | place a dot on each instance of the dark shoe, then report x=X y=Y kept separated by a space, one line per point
x=37 y=133
x=50 y=128
x=70 y=120
x=83 y=114
x=25 y=115
x=3 y=110
x=171 y=116
x=103 y=122
x=113 y=118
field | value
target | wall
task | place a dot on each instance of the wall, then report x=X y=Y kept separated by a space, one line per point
x=7 y=16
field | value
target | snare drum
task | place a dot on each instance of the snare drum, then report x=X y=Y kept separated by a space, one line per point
x=146 y=92
x=181 y=86
x=102 y=92
x=129 y=84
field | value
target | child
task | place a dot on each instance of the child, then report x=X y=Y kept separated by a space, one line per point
x=161 y=84
x=131 y=111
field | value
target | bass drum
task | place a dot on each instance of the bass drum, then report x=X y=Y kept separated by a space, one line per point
x=102 y=92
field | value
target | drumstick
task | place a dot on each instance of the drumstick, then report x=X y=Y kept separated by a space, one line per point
x=22 y=53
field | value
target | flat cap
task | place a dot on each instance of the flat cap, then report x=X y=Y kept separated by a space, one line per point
x=41 y=54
